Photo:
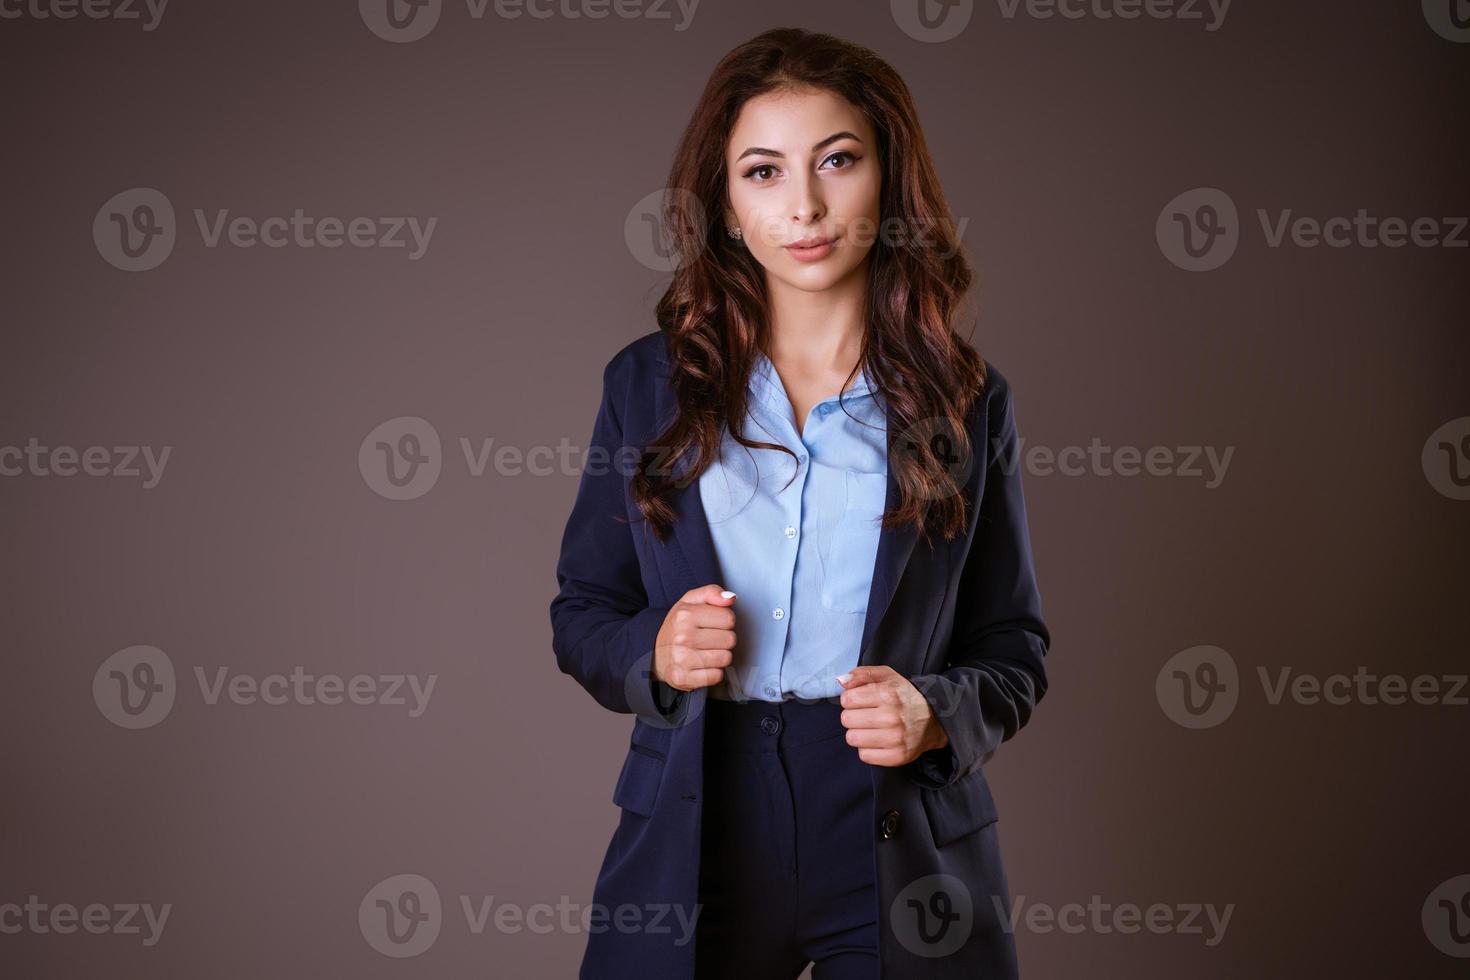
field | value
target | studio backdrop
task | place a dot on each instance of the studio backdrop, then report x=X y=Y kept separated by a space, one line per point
x=306 y=308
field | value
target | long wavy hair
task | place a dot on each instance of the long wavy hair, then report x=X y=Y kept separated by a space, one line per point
x=714 y=312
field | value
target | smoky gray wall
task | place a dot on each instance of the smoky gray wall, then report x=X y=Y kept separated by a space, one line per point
x=254 y=674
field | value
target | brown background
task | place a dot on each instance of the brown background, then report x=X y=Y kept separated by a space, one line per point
x=263 y=547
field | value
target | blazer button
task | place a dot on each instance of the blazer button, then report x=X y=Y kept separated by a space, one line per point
x=889 y=825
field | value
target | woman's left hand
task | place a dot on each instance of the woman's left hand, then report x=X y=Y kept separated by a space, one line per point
x=886 y=717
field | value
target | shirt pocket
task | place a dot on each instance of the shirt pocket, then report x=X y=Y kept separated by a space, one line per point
x=850 y=561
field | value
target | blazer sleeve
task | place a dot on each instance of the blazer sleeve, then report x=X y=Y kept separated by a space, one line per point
x=602 y=627
x=996 y=673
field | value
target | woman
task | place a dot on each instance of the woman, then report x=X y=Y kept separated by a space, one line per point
x=825 y=618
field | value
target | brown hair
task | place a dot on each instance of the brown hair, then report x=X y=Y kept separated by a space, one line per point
x=713 y=314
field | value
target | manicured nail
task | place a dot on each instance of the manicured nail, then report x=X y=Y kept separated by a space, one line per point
x=727 y=595
x=843 y=678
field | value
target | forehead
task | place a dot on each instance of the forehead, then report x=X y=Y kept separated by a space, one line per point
x=791 y=121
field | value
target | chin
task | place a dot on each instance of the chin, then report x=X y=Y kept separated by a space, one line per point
x=816 y=277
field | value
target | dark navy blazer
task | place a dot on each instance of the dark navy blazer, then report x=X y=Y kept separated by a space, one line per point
x=961 y=619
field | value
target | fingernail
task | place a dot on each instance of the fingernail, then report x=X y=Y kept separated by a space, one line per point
x=843 y=678
x=727 y=595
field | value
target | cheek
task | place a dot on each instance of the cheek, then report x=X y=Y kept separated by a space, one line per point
x=859 y=202
x=750 y=209
x=734 y=193
x=765 y=226
x=738 y=200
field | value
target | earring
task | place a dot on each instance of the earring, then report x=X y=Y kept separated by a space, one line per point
x=735 y=232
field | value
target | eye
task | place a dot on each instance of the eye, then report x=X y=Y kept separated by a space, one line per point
x=758 y=168
x=851 y=159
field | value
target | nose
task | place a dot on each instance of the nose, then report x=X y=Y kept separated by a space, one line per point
x=808 y=206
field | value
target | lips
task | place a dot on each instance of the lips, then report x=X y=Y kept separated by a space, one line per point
x=812 y=249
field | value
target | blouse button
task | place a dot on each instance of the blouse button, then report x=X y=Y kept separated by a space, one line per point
x=778 y=613
x=790 y=531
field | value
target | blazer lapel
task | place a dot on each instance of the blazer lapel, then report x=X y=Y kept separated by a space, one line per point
x=895 y=545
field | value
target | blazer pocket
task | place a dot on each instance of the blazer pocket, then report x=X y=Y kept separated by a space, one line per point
x=637 y=787
x=959 y=809
x=845 y=587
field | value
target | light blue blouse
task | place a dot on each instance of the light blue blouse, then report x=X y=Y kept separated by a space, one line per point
x=801 y=556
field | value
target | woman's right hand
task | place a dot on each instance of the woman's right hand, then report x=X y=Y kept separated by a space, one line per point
x=693 y=645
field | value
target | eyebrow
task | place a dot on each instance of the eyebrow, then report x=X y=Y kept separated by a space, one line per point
x=762 y=151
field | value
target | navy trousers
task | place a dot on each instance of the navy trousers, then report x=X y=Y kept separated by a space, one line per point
x=787 y=866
